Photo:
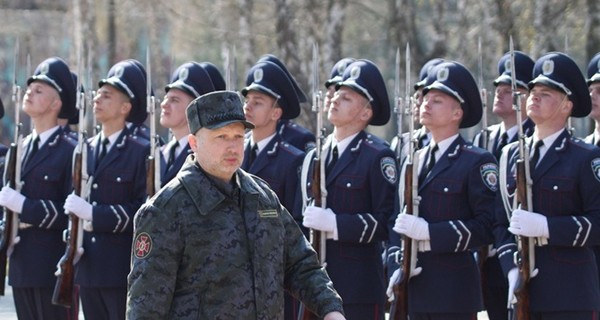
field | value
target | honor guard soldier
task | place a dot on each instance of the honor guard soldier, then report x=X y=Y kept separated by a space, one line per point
x=189 y=81
x=360 y=182
x=46 y=178
x=293 y=133
x=117 y=165
x=269 y=99
x=422 y=135
x=593 y=81
x=457 y=188
x=215 y=242
x=215 y=75
x=499 y=135
x=564 y=218
x=506 y=131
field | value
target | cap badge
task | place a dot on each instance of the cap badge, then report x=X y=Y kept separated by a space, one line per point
x=183 y=74
x=45 y=68
x=442 y=74
x=258 y=75
x=341 y=67
x=355 y=73
x=548 y=67
x=119 y=71
x=507 y=66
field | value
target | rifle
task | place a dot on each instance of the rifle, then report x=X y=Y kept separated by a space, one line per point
x=153 y=160
x=525 y=256
x=73 y=236
x=319 y=191
x=12 y=177
x=409 y=198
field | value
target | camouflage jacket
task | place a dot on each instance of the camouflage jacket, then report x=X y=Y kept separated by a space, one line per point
x=201 y=254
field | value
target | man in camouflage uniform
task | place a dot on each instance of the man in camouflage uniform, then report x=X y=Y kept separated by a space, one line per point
x=215 y=242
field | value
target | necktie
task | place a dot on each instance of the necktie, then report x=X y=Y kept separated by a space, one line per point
x=172 y=154
x=32 y=150
x=103 y=151
x=253 y=154
x=535 y=156
x=501 y=143
x=333 y=157
x=429 y=164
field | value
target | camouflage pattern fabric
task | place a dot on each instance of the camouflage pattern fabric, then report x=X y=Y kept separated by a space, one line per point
x=201 y=254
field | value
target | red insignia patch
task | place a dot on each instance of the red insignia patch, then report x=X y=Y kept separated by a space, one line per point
x=143 y=245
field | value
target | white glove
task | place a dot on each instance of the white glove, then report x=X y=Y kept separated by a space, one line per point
x=78 y=206
x=11 y=199
x=513 y=275
x=411 y=226
x=528 y=224
x=320 y=219
x=394 y=279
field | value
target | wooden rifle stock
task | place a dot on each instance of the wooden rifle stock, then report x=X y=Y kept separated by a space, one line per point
x=523 y=258
x=150 y=173
x=63 y=289
x=9 y=217
x=315 y=235
x=399 y=307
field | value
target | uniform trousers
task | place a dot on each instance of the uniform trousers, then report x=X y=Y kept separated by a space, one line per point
x=36 y=304
x=364 y=311
x=103 y=303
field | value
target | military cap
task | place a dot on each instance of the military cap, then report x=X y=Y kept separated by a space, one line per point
x=271 y=58
x=269 y=79
x=425 y=71
x=128 y=78
x=215 y=75
x=55 y=72
x=593 y=69
x=364 y=77
x=192 y=79
x=456 y=81
x=523 y=69
x=215 y=110
x=337 y=71
x=559 y=71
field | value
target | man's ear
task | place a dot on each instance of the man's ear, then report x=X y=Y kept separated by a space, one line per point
x=192 y=141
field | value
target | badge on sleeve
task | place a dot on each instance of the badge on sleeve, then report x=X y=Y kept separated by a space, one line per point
x=143 y=245
x=388 y=169
x=489 y=175
x=596 y=168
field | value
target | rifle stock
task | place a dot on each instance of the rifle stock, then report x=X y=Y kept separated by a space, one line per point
x=63 y=289
x=524 y=254
x=10 y=218
x=399 y=307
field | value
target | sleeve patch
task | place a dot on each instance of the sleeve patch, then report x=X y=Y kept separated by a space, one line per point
x=388 y=169
x=596 y=168
x=143 y=245
x=489 y=175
